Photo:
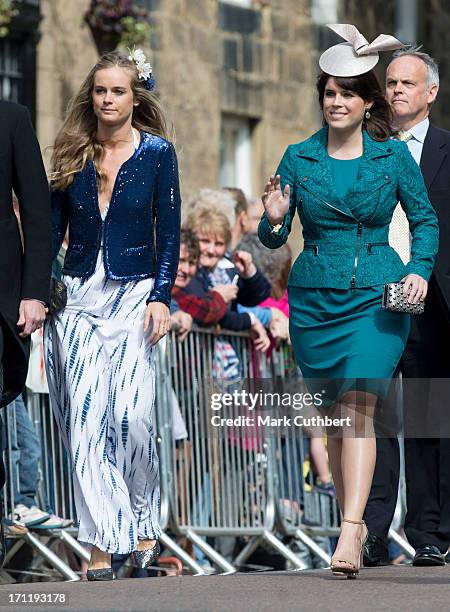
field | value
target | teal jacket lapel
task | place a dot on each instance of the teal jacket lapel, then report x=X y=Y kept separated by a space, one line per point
x=316 y=175
x=317 y=178
x=370 y=179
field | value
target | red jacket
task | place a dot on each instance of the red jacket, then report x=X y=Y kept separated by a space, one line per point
x=205 y=310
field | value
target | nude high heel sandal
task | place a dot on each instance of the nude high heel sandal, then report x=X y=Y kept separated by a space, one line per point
x=344 y=567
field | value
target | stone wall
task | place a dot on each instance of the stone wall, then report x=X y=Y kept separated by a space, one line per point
x=213 y=57
x=209 y=58
x=66 y=52
x=185 y=55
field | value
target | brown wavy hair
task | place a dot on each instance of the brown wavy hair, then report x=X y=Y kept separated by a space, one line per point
x=76 y=142
x=367 y=87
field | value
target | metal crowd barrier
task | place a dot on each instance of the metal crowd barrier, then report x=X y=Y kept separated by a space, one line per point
x=54 y=487
x=236 y=481
x=227 y=480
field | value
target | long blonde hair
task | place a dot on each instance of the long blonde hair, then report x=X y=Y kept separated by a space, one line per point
x=76 y=142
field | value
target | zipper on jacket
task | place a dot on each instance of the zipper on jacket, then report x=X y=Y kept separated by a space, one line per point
x=355 y=263
x=325 y=202
x=369 y=195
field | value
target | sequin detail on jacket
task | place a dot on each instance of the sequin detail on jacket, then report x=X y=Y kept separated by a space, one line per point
x=144 y=207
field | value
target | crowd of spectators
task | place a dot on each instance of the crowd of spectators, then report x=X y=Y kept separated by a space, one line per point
x=226 y=277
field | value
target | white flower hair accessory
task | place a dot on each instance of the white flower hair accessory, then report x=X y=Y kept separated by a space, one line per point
x=143 y=67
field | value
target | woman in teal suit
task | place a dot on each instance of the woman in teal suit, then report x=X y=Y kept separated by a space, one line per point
x=345 y=182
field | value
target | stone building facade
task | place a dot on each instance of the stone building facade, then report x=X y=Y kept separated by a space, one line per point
x=236 y=76
x=236 y=80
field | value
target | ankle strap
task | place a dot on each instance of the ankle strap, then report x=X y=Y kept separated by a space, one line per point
x=344 y=520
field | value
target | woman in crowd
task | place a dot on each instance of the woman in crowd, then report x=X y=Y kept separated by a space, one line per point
x=115 y=185
x=345 y=181
x=212 y=229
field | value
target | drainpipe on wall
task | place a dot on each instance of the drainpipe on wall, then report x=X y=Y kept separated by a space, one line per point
x=406 y=20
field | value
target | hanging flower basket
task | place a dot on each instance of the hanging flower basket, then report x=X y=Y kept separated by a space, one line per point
x=116 y=23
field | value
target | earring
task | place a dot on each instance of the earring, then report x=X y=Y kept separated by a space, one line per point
x=367 y=114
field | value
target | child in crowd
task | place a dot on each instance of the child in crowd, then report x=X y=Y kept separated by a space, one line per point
x=212 y=229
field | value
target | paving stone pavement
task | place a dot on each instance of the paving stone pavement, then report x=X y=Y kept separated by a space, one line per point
x=399 y=588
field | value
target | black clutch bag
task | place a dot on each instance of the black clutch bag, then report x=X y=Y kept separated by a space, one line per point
x=394 y=300
x=58 y=296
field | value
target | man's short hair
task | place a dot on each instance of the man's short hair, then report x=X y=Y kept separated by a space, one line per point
x=190 y=241
x=239 y=198
x=430 y=63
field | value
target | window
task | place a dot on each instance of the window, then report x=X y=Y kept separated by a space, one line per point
x=239 y=2
x=235 y=153
x=18 y=57
x=324 y=11
x=10 y=72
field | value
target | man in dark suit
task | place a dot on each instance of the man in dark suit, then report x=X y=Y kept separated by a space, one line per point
x=412 y=83
x=24 y=268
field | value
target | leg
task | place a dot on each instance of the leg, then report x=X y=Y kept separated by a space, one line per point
x=444 y=479
x=382 y=501
x=334 y=445
x=28 y=447
x=357 y=462
x=383 y=495
x=79 y=385
x=2 y=466
x=422 y=492
x=427 y=463
x=135 y=451
x=320 y=459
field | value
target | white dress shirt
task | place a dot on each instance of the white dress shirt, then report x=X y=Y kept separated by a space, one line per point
x=418 y=133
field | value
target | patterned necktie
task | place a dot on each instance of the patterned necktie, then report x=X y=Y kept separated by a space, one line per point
x=399 y=236
x=404 y=136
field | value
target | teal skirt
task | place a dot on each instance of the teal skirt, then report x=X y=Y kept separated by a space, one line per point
x=344 y=334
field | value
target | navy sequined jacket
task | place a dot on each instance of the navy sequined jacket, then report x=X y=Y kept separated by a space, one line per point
x=141 y=229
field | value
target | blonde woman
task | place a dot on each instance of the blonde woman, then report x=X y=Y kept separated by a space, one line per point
x=115 y=185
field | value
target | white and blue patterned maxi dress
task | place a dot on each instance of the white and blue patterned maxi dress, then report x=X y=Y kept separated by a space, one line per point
x=101 y=377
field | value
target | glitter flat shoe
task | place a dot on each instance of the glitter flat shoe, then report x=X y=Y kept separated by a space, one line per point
x=104 y=573
x=143 y=559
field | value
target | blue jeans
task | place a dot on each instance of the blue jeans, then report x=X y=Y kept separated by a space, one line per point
x=293 y=452
x=24 y=454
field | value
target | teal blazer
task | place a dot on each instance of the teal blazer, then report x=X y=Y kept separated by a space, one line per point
x=346 y=239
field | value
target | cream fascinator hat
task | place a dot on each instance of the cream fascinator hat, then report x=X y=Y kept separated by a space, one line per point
x=356 y=56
